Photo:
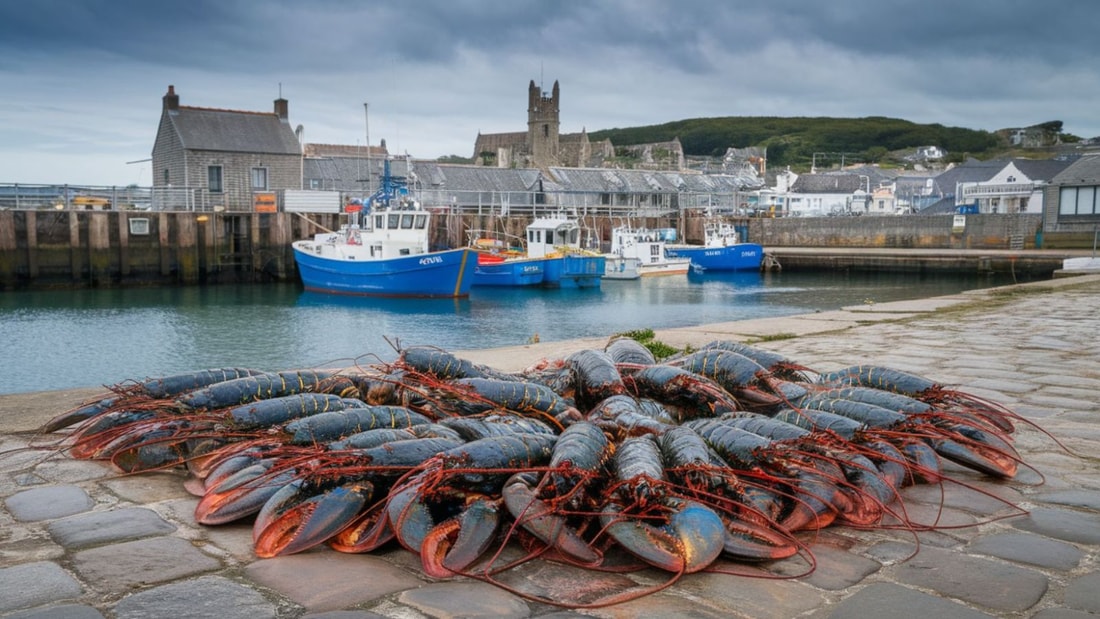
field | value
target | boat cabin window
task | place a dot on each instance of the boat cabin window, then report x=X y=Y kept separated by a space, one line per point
x=404 y=251
x=378 y=221
x=392 y=220
x=407 y=221
x=534 y=236
x=421 y=222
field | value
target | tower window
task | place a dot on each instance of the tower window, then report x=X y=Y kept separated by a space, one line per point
x=546 y=131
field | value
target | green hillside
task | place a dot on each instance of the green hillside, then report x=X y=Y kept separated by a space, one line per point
x=793 y=141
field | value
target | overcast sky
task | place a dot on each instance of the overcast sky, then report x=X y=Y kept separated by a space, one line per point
x=81 y=81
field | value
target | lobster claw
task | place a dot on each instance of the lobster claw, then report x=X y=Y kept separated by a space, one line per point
x=368 y=531
x=302 y=515
x=241 y=494
x=811 y=505
x=989 y=460
x=691 y=539
x=457 y=542
x=448 y=546
x=538 y=518
x=749 y=541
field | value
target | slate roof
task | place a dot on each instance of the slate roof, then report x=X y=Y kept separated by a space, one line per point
x=610 y=180
x=945 y=206
x=453 y=177
x=1041 y=169
x=973 y=171
x=1085 y=170
x=234 y=131
x=828 y=183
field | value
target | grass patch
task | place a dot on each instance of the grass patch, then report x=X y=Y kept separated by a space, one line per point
x=774 y=337
x=645 y=337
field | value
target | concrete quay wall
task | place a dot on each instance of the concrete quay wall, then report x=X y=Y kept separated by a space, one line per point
x=49 y=248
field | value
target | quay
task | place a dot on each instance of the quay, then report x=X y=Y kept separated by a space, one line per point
x=78 y=248
x=80 y=540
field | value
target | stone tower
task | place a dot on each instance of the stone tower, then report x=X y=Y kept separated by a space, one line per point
x=542 y=125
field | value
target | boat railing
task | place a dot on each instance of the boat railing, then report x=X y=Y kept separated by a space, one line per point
x=494 y=241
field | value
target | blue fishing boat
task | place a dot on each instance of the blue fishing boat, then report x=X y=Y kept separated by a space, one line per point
x=550 y=256
x=721 y=250
x=383 y=251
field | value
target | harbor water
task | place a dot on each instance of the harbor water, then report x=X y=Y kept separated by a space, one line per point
x=86 y=338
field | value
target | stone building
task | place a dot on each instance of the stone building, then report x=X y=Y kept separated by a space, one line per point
x=206 y=157
x=543 y=145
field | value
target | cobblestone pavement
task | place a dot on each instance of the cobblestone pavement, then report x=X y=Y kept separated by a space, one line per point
x=79 y=540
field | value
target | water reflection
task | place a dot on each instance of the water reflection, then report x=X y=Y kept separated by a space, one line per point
x=384 y=304
x=60 y=339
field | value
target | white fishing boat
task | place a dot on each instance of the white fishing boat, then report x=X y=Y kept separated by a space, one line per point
x=643 y=250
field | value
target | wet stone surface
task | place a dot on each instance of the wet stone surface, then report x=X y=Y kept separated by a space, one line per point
x=34 y=584
x=119 y=567
x=991 y=584
x=1071 y=526
x=59 y=611
x=452 y=600
x=113 y=526
x=897 y=602
x=211 y=596
x=48 y=502
x=1029 y=549
x=336 y=580
x=1083 y=593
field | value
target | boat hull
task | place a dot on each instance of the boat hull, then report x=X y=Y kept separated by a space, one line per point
x=437 y=274
x=574 y=271
x=568 y=271
x=620 y=268
x=509 y=272
x=736 y=257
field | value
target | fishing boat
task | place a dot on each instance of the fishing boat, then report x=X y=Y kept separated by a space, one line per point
x=383 y=251
x=642 y=250
x=618 y=267
x=722 y=250
x=550 y=256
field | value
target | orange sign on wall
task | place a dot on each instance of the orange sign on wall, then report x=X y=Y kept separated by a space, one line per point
x=264 y=202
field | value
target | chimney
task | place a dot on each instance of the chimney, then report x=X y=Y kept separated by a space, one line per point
x=282 y=108
x=171 y=100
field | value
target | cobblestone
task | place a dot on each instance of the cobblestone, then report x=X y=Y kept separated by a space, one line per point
x=111 y=526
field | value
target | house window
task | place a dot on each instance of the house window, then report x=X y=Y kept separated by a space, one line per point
x=166 y=177
x=214 y=179
x=259 y=179
x=1079 y=201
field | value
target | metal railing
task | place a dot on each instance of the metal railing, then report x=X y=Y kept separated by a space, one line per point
x=90 y=197
x=489 y=202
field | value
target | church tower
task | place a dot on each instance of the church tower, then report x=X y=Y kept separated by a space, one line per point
x=542 y=126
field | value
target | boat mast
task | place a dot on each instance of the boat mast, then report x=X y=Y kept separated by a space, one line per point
x=366 y=124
